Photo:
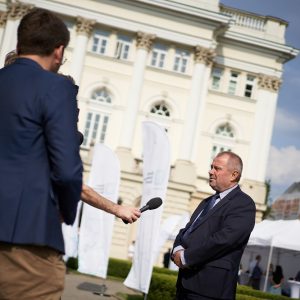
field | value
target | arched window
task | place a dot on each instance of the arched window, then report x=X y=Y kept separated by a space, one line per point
x=223 y=139
x=102 y=95
x=160 y=109
x=225 y=130
x=97 y=120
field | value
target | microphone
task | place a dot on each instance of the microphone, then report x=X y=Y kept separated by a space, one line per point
x=151 y=204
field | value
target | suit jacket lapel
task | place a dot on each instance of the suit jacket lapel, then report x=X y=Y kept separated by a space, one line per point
x=221 y=203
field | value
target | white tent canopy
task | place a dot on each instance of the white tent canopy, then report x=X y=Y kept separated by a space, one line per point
x=280 y=234
x=276 y=234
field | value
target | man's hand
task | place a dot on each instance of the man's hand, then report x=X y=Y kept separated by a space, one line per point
x=177 y=260
x=127 y=213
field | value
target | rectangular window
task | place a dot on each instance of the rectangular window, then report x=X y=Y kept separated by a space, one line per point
x=233 y=81
x=217 y=149
x=181 y=61
x=216 y=78
x=95 y=128
x=249 y=86
x=100 y=42
x=159 y=54
x=123 y=47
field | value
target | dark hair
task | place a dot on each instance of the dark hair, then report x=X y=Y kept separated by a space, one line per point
x=278 y=274
x=40 y=32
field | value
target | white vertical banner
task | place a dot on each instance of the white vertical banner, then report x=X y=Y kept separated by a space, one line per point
x=70 y=234
x=96 y=225
x=156 y=170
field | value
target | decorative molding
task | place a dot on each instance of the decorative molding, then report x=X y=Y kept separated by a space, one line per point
x=144 y=40
x=3 y=18
x=246 y=66
x=84 y=25
x=131 y=25
x=204 y=55
x=16 y=10
x=269 y=83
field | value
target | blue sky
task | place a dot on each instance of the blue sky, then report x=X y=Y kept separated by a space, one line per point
x=284 y=159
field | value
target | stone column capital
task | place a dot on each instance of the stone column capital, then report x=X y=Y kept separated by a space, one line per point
x=3 y=18
x=204 y=55
x=16 y=10
x=270 y=83
x=84 y=26
x=144 y=40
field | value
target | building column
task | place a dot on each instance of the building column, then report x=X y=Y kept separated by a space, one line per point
x=254 y=182
x=113 y=38
x=84 y=28
x=263 y=126
x=3 y=18
x=16 y=11
x=143 y=44
x=203 y=58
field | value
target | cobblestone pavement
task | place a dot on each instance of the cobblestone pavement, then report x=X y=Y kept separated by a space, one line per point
x=84 y=287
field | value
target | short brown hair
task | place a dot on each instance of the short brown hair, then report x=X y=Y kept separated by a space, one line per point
x=235 y=162
x=40 y=32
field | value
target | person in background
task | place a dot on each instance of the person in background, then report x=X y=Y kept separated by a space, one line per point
x=255 y=273
x=270 y=275
x=297 y=278
x=167 y=257
x=240 y=273
x=277 y=281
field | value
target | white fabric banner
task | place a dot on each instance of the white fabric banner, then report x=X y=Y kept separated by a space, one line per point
x=156 y=169
x=70 y=234
x=96 y=225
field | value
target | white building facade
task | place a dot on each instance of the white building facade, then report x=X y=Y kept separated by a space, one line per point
x=209 y=74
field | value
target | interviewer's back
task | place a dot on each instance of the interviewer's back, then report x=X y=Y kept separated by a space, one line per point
x=28 y=95
x=41 y=170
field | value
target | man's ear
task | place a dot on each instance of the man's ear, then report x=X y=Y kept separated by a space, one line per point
x=59 y=54
x=234 y=175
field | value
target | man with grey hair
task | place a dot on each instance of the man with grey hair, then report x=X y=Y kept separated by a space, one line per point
x=209 y=249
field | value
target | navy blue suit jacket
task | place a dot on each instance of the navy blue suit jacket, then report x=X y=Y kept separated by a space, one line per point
x=40 y=166
x=214 y=248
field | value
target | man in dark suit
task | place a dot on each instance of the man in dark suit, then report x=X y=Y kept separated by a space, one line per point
x=209 y=249
x=41 y=170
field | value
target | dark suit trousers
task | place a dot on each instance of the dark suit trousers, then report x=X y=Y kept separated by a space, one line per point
x=184 y=294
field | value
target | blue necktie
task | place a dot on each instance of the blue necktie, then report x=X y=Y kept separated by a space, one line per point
x=209 y=204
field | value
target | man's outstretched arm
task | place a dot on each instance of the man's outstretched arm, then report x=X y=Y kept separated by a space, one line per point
x=91 y=197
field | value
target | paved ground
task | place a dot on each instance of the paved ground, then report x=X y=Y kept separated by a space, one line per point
x=82 y=287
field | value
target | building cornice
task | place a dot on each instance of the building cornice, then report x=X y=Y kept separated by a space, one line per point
x=250 y=67
x=117 y=22
x=214 y=16
x=284 y=52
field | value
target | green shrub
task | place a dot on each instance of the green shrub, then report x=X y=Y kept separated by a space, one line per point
x=162 y=287
x=164 y=271
x=246 y=290
x=72 y=263
x=244 y=297
x=118 y=267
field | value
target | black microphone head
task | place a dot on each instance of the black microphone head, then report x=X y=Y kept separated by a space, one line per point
x=154 y=203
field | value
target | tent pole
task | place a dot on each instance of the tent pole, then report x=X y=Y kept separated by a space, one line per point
x=268 y=266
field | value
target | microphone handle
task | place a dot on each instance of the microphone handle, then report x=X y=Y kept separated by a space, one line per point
x=144 y=208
